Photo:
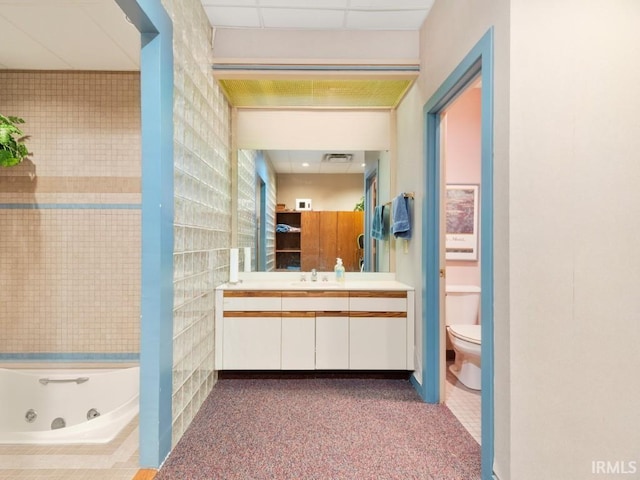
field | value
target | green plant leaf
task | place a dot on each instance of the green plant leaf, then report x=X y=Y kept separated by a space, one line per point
x=12 y=150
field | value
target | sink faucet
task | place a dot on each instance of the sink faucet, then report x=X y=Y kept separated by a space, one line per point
x=314 y=275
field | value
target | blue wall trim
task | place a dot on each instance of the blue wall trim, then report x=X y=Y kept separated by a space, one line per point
x=478 y=61
x=156 y=349
x=73 y=357
x=70 y=206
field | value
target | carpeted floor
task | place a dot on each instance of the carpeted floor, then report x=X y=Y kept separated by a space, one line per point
x=322 y=429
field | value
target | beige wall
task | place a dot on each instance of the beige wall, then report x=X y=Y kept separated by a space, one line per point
x=452 y=28
x=326 y=191
x=313 y=130
x=62 y=292
x=574 y=201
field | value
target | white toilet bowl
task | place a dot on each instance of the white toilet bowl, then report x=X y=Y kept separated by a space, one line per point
x=466 y=342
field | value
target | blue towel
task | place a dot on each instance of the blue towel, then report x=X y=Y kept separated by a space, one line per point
x=401 y=227
x=377 y=226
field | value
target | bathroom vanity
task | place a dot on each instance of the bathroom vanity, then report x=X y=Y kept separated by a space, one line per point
x=287 y=324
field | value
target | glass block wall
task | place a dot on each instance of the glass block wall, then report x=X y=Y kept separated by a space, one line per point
x=247 y=218
x=202 y=208
x=249 y=163
x=270 y=219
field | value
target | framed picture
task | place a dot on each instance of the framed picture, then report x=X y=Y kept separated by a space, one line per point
x=303 y=204
x=462 y=222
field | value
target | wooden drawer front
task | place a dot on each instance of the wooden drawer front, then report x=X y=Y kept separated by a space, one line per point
x=252 y=304
x=377 y=304
x=315 y=293
x=317 y=304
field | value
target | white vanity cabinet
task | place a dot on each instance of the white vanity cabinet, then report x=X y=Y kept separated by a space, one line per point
x=330 y=312
x=251 y=331
x=378 y=330
x=332 y=341
x=314 y=329
x=298 y=340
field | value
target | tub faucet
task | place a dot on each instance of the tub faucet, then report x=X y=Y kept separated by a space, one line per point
x=314 y=275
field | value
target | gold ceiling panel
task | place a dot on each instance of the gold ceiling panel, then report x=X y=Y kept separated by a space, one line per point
x=315 y=93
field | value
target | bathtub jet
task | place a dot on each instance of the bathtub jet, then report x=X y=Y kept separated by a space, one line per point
x=69 y=406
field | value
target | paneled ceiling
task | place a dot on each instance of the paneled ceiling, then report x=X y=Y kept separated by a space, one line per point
x=317 y=161
x=66 y=35
x=319 y=14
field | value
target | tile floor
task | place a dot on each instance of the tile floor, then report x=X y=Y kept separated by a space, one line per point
x=464 y=403
x=116 y=460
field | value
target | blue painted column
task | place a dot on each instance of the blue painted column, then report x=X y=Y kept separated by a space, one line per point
x=156 y=348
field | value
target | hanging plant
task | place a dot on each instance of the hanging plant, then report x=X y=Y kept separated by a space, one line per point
x=12 y=147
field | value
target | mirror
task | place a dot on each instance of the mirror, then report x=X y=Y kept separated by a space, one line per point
x=339 y=190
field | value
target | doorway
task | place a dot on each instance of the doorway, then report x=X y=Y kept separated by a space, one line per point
x=460 y=157
x=477 y=63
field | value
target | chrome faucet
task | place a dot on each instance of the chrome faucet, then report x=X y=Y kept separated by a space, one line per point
x=314 y=275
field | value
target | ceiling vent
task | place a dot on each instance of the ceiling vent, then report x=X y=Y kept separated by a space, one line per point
x=337 y=158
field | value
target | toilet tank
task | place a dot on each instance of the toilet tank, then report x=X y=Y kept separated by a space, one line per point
x=462 y=303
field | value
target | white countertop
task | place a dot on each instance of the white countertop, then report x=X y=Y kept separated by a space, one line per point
x=292 y=281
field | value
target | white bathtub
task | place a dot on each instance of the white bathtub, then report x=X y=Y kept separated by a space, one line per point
x=54 y=393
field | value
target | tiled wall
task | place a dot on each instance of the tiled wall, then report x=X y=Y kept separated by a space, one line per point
x=202 y=208
x=66 y=214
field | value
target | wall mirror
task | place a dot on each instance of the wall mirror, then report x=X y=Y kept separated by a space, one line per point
x=342 y=188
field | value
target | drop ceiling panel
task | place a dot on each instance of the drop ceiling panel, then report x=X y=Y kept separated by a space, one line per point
x=22 y=58
x=320 y=4
x=233 y=16
x=393 y=20
x=291 y=161
x=302 y=18
x=81 y=35
x=390 y=4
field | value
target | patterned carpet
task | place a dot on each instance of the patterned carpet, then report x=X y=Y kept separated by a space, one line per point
x=322 y=429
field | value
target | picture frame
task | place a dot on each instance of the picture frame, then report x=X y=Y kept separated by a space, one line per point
x=303 y=204
x=461 y=213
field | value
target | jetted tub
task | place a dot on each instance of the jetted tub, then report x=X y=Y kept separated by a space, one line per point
x=66 y=406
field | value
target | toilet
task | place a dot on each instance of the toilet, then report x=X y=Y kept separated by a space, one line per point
x=462 y=304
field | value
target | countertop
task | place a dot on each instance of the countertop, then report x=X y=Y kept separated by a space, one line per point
x=353 y=285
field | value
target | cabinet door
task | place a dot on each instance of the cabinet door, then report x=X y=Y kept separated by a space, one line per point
x=251 y=342
x=349 y=226
x=378 y=343
x=309 y=240
x=328 y=242
x=332 y=342
x=298 y=341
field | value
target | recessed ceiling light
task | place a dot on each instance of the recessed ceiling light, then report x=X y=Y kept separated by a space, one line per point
x=362 y=164
x=305 y=164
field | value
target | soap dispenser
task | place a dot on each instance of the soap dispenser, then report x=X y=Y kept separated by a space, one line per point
x=339 y=270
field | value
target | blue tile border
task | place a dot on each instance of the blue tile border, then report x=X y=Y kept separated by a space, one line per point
x=75 y=357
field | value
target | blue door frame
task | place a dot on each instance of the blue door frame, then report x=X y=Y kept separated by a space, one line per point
x=479 y=61
x=156 y=327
